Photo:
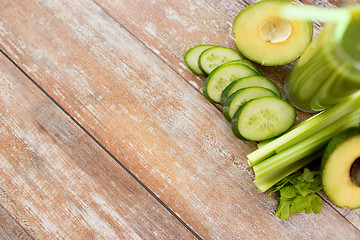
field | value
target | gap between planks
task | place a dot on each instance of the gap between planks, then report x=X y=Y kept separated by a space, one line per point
x=146 y=46
x=102 y=147
x=317 y=28
x=10 y=228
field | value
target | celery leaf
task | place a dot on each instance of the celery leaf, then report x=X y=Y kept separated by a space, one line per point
x=297 y=193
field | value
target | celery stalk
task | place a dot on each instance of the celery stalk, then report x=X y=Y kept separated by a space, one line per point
x=263 y=143
x=306 y=129
x=270 y=180
x=306 y=147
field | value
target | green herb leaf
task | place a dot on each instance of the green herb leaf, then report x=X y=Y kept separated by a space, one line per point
x=303 y=188
x=311 y=202
x=307 y=175
x=297 y=193
x=316 y=185
x=287 y=193
x=284 y=210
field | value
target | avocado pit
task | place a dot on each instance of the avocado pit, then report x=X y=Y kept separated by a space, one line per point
x=264 y=36
x=275 y=30
x=355 y=172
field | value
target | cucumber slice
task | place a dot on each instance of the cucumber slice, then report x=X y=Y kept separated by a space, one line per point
x=221 y=77
x=263 y=118
x=238 y=98
x=213 y=57
x=191 y=58
x=253 y=81
x=247 y=63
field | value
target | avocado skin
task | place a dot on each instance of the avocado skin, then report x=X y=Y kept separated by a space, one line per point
x=335 y=141
x=260 y=60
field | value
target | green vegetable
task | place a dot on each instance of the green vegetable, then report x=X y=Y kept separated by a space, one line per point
x=191 y=58
x=263 y=118
x=284 y=155
x=304 y=148
x=247 y=63
x=297 y=193
x=271 y=179
x=241 y=96
x=213 y=57
x=309 y=127
x=264 y=36
x=221 y=77
x=253 y=81
x=340 y=169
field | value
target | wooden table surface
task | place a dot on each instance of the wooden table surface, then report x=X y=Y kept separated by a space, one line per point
x=105 y=133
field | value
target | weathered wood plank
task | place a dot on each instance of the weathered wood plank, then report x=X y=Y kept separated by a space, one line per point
x=10 y=229
x=192 y=23
x=169 y=29
x=58 y=183
x=147 y=116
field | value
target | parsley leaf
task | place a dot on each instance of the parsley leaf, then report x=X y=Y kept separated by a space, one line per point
x=288 y=192
x=284 y=210
x=308 y=203
x=297 y=193
x=307 y=175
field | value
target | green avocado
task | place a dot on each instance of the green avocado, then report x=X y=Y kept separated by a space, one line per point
x=264 y=36
x=340 y=166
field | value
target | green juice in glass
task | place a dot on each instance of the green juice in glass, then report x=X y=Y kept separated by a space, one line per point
x=329 y=70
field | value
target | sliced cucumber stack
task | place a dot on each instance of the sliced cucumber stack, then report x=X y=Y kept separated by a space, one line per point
x=253 y=81
x=213 y=57
x=221 y=77
x=238 y=98
x=247 y=63
x=191 y=58
x=251 y=102
x=263 y=118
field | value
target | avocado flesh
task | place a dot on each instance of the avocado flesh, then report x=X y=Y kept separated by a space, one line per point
x=339 y=164
x=270 y=47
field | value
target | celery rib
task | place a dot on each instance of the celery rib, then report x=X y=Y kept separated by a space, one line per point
x=305 y=129
x=270 y=180
x=306 y=147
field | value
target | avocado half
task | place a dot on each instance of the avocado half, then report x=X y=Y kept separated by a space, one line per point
x=341 y=169
x=263 y=36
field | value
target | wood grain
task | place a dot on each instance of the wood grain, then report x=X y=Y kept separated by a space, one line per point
x=58 y=183
x=196 y=22
x=114 y=84
x=10 y=228
x=170 y=28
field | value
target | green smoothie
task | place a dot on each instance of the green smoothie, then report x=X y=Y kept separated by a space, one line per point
x=329 y=70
